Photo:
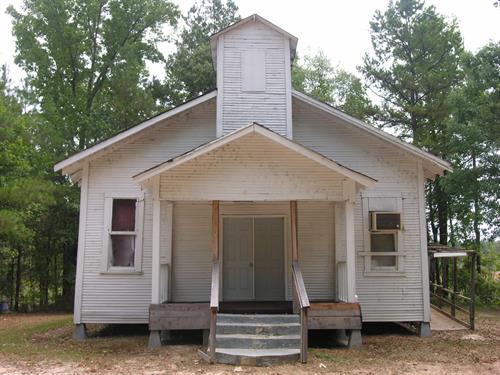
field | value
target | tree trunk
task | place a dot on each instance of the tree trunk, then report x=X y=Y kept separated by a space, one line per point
x=453 y=242
x=18 y=278
x=432 y=212
x=69 y=267
x=442 y=211
x=12 y=282
x=55 y=283
x=477 y=217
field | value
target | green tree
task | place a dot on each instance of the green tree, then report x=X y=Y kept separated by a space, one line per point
x=413 y=68
x=22 y=187
x=85 y=63
x=475 y=148
x=317 y=77
x=189 y=70
x=86 y=79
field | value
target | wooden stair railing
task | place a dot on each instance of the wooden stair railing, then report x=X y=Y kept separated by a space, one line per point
x=214 y=308
x=301 y=298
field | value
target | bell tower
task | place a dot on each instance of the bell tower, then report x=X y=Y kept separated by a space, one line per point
x=253 y=60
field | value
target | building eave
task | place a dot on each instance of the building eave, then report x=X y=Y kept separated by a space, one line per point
x=67 y=164
x=436 y=165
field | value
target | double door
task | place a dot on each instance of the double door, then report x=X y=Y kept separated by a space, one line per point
x=253 y=258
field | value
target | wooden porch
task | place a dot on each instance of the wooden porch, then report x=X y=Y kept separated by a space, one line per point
x=196 y=315
x=264 y=320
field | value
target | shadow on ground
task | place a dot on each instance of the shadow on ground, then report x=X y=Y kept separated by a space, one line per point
x=317 y=338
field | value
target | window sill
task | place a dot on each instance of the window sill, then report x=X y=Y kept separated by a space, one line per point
x=121 y=272
x=385 y=273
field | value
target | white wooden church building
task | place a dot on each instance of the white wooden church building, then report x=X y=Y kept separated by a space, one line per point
x=253 y=212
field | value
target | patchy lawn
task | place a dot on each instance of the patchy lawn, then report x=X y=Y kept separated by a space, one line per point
x=42 y=344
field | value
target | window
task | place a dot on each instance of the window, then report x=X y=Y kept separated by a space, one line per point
x=383 y=238
x=383 y=243
x=123 y=234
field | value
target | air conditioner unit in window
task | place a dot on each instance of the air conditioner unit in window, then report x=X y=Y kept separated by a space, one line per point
x=385 y=221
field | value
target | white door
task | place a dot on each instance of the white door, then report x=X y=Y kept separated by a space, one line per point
x=269 y=245
x=237 y=271
x=253 y=259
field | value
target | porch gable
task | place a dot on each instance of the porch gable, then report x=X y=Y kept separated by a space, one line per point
x=252 y=163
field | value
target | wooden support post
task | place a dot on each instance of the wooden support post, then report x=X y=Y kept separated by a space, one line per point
x=455 y=287
x=214 y=293
x=350 y=252
x=304 y=342
x=472 y=302
x=294 y=232
x=215 y=230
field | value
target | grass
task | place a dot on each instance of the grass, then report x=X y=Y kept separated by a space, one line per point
x=35 y=343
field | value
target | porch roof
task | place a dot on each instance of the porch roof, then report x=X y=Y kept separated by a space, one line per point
x=255 y=149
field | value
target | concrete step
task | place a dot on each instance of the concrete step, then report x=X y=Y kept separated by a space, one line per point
x=273 y=329
x=258 y=318
x=258 y=341
x=257 y=357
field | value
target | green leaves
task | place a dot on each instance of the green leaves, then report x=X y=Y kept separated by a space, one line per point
x=189 y=70
x=85 y=62
x=414 y=66
x=317 y=77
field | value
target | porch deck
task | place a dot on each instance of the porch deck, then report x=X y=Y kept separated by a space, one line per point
x=196 y=315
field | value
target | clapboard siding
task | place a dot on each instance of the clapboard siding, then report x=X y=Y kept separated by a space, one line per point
x=191 y=246
x=124 y=298
x=382 y=298
x=251 y=168
x=317 y=249
x=191 y=258
x=268 y=107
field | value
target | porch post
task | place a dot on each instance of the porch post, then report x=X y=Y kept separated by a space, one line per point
x=155 y=282
x=350 y=197
x=215 y=230
x=295 y=248
x=293 y=223
x=154 y=336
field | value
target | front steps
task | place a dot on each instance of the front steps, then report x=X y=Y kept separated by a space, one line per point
x=258 y=340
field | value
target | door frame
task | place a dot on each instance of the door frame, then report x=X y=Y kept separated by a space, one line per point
x=221 y=248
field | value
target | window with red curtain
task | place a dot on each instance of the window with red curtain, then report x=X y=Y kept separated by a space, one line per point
x=123 y=233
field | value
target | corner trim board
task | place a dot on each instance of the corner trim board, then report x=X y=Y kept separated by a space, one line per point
x=423 y=242
x=220 y=87
x=77 y=314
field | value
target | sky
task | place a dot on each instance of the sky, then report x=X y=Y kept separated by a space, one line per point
x=340 y=28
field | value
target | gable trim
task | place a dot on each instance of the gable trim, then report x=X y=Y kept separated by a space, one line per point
x=255 y=18
x=360 y=178
x=437 y=163
x=133 y=130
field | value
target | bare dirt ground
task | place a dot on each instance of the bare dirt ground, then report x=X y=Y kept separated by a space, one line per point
x=42 y=344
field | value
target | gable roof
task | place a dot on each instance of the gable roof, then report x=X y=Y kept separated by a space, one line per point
x=133 y=130
x=432 y=162
x=253 y=18
x=254 y=128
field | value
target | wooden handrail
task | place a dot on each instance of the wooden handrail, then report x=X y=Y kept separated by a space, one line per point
x=300 y=287
x=214 y=291
x=214 y=308
x=303 y=301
